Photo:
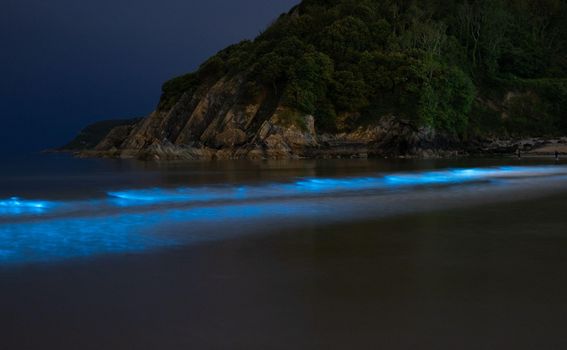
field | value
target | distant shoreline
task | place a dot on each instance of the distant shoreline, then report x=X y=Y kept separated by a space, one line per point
x=529 y=148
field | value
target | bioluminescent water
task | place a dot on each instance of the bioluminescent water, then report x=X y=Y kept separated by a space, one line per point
x=136 y=220
x=17 y=206
x=323 y=186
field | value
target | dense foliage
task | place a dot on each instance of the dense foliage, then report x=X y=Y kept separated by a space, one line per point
x=431 y=61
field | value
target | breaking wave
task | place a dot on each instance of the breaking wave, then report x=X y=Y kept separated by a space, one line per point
x=135 y=220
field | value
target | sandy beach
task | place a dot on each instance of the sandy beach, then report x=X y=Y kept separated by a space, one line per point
x=456 y=280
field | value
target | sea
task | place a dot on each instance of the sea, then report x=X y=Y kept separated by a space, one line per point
x=466 y=253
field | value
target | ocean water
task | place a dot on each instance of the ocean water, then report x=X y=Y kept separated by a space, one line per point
x=56 y=207
x=300 y=254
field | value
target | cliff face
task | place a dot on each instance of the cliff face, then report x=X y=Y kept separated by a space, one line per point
x=218 y=122
x=346 y=78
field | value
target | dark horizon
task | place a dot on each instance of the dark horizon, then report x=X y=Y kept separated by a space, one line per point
x=66 y=65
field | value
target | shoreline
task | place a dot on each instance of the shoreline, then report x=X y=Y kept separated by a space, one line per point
x=254 y=291
x=529 y=148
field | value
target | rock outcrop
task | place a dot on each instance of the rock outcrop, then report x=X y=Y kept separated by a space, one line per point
x=218 y=122
x=233 y=132
x=213 y=130
x=350 y=79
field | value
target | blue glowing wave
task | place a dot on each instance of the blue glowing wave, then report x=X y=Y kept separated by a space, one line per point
x=318 y=186
x=73 y=237
x=142 y=219
x=15 y=206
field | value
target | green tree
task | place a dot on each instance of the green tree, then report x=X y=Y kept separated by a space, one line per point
x=349 y=91
x=308 y=81
x=446 y=99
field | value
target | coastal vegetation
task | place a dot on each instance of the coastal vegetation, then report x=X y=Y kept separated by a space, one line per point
x=462 y=67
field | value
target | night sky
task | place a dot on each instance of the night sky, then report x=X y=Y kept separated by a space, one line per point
x=67 y=63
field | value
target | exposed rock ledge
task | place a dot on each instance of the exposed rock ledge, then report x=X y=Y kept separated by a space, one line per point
x=391 y=137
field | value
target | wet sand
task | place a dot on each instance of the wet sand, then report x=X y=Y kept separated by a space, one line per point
x=490 y=277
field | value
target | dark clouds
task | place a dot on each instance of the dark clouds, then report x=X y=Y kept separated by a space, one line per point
x=66 y=63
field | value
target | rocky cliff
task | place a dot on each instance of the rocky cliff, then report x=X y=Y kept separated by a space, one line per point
x=341 y=78
x=218 y=122
x=237 y=134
